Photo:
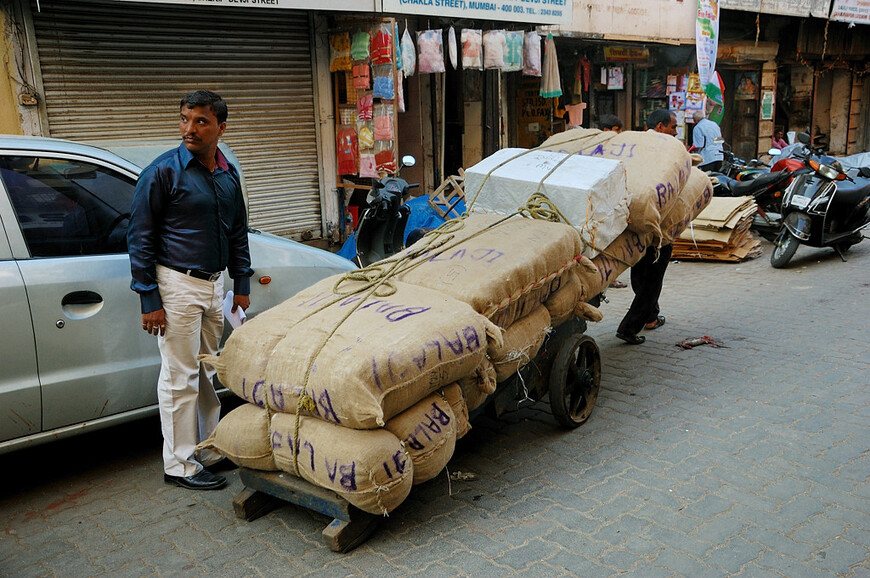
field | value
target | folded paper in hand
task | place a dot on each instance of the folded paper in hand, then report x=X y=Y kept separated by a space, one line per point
x=237 y=318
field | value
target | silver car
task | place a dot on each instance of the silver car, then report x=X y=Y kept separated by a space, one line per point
x=73 y=356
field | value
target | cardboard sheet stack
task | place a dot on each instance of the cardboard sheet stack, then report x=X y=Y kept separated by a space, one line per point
x=720 y=233
x=362 y=383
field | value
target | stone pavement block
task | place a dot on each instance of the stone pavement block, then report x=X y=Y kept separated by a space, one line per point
x=576 y=562
x=801 y=508
x=786 y=488
x=177 y=562
x=526 y=554
x=466 y=539
x=683 y=565
x=577 y=542
x=467 y=563
x=613 y=509
x=617 y=532
x=763 y=519
x=138 y=568
x=189 y=539
x=531 y=506
x=570 y=518
x=839 y=555
x=521 y=533
x=771 y=565
x=707 y=508
x=776 y=542
x=719 y=530
x=618 y=559
x=268 y=562
x=731 y=557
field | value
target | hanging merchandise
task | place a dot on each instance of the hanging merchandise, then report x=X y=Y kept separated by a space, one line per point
x=532 y=54
x=364 y=106
x=347 y=151
x=359 y=48
x=551 y=82
x=585 y=67
x=513 y=57
x=398 y=48
x=368 y=167
x=339 y=52
x=347 y=115
x=382 y=45
x=400 y=103
x=471 y=49
x=366 y=136
x=361 y=78
x=385 y=160
x=430 y=48
x=409 y=54
x=383 y=122
x=451 y=47
x=383 y=81
x=494 y=47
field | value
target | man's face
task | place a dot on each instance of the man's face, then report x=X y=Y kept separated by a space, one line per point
x=200 y=129
x=671 y=127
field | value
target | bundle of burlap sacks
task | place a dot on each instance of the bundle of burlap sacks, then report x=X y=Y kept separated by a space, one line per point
x=362 y=383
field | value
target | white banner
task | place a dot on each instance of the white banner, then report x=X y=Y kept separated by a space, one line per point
x=356 y=5
x=817 y=8
x=531 y=11
x=707 y=39
x=851 y=11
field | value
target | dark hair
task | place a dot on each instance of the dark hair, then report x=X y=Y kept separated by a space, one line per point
x=206 y=98
x=608 y=121
x=660 y=115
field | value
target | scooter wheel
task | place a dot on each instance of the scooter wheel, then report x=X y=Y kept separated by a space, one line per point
x=784 y=247
x=575 y=379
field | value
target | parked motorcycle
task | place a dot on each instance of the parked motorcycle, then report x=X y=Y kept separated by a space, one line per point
x=822 y=208
x=381 y=229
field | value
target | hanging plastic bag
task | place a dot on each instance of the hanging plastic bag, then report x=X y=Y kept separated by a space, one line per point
x=382 y=45
x=398 y=48
x=383 y=122
x=451 y=47
x=532 y=54
x=494 y=46
x=366 y=135
x=359 y=47
x=364 y=106
x=347 y=151
x=361 y=76
x=513 y=57
x=385 y=158
x=382 y=86
x=409 y=54
x=368 y=167
x=430 y=47
x=471 y=49
x=339 y=52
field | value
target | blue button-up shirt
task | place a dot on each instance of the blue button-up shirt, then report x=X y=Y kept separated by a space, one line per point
x=707 y=138
x=186 y=216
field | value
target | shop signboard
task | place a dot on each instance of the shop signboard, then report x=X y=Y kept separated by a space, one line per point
x=817 y=8
x=531 y=11
x=626 y=54
x=857 y=11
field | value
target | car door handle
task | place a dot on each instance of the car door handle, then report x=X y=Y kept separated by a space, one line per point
x=81 y=304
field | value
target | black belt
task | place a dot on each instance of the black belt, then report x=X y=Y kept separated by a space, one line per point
x=196 y=273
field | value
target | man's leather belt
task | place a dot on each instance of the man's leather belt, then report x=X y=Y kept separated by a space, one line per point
x=197 y=274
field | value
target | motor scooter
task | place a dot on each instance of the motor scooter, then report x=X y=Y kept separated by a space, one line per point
x=381 y=229
x=824 y=207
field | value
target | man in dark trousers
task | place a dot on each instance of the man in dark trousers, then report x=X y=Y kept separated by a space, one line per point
x=187 y=225
x=647 y=276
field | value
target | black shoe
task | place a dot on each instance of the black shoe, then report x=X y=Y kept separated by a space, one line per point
x=631 y=339
x=203 y=480
x=656 y=323
x=222 y=465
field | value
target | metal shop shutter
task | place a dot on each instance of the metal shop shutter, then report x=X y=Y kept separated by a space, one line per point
x=117 y=70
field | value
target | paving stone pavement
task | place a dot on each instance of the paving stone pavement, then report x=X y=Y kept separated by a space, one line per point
x=748 y=460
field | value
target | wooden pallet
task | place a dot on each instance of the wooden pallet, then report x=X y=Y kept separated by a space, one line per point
x=266 y=491
x=447 y=196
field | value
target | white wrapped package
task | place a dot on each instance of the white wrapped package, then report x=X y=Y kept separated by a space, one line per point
x=589 y=191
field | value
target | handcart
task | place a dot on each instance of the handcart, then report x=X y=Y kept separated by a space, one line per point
x=567 y=368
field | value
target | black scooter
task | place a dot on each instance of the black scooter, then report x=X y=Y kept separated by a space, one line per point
x=381 y=229
x=823 y=208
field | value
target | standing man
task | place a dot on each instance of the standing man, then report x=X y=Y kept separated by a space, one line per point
x=187 y=225
x=707 y=139
x=647 y=276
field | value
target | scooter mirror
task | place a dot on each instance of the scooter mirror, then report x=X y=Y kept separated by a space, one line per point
x=409 y=161
x=774 y=152
x=804 y=138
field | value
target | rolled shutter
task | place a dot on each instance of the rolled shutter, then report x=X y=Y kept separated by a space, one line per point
x=117 y=71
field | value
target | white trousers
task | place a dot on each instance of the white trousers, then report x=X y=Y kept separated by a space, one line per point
x=189 y=407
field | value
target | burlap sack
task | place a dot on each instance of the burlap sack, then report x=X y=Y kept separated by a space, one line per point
x=502 y=268
x=576 y=286
x=656 y=168
x=693 y=199
x=453 y=394
x=522 y=341
x=243 y=437
x=360 y=361
x=368 y=468
x=477 y=386
x=428 y=430
x=624 y=252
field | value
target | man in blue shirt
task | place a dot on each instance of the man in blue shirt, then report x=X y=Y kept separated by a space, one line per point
x=187 y=225
x=707 y=139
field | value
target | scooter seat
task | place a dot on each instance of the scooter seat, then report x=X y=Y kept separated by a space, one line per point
x=851 y=193
x=744 y=188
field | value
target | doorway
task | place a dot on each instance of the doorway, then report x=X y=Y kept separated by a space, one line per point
x=740 y=121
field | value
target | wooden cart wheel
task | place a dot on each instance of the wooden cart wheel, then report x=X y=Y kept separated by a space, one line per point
x=575 y=379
